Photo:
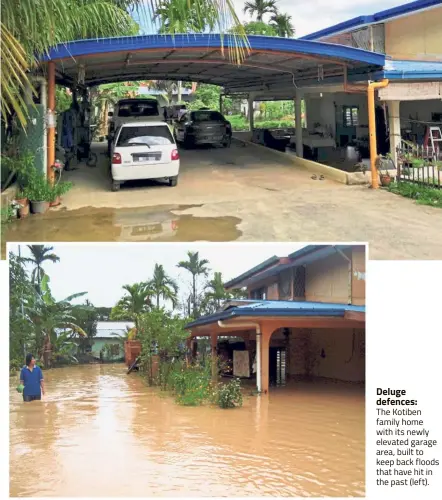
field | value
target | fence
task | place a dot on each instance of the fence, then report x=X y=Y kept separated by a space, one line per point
x=420 y=165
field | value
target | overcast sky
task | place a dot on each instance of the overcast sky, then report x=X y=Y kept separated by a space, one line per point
x=102 y=269
x=309 y=16
x=312 y=15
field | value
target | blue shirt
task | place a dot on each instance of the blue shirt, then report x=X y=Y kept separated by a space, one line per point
x=31 y=381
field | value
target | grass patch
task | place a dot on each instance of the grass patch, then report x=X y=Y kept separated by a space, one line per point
x=421 y=194
x=240 y=123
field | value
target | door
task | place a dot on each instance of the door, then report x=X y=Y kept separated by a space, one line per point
x=277 y=366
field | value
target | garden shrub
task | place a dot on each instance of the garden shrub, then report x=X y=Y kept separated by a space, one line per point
x=191 y=384
x=229 y=395
x=422 y=194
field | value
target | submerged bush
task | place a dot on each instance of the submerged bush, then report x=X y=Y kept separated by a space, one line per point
x=191 y=384
x=229 y=395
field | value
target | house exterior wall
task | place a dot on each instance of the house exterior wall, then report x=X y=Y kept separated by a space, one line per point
x=327 y=280
x=99 y=344
x=328 y=112
x=343 y=350
x=419 y=110
x=416 y=37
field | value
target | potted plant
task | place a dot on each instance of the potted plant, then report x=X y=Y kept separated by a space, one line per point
x=22 y=200
x=39 y=192
x=57 y=191
x=385 y=163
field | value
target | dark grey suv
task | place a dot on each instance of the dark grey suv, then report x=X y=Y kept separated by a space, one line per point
x=203 y=127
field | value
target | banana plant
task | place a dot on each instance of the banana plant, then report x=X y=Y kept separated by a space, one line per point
x=55 y=322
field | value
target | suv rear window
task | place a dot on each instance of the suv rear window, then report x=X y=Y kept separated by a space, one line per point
x=138 y=109
x=207 y=116
x=155 y=135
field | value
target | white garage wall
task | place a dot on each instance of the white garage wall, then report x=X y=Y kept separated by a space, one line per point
x=327 y=110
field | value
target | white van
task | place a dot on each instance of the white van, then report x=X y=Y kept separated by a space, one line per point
x=132 y=110
x=144 y=150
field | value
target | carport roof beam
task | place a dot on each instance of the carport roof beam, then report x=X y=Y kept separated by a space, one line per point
x=105 y=58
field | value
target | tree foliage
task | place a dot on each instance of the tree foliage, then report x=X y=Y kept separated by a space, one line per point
x=196 y=267
x=260 y=8
x=31 y=27
x=260 y=28
x=39 y=323
x=136 y=300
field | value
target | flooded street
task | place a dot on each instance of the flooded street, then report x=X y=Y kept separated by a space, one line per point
x=100 y=432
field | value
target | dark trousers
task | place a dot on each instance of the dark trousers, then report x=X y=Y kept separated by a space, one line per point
x=28 y=399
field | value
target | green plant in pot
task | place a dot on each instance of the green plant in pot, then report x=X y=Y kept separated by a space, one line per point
x=57 y=191
x=21 y=197
x=383 y=164
x=39 y=192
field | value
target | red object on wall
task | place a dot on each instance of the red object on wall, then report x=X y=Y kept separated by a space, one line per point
x=132 y=349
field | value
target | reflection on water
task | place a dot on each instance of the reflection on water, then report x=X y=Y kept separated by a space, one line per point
x=99 y=432
x=135 y=224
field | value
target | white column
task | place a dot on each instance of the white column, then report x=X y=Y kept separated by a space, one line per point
x=395 y=127
x=251 y=112
x=298 y=121
x=258 y=360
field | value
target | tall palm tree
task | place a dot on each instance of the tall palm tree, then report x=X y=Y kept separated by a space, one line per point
x=215 y=292
x=283 y=25
x=135 y=302
x=31 y=27
x=196 y=267
x=261 y=8
x=40 y=254
x=163 y=286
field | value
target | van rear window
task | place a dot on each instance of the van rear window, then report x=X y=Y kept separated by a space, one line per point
x=141 y=109
x=155 y=135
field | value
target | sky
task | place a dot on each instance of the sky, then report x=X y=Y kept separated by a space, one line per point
x=309 y=16
x=312 y=15
x=102 y=269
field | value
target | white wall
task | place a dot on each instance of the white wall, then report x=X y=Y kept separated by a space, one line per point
x=327 y=110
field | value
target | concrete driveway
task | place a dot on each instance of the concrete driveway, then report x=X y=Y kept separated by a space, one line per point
x=244 y=193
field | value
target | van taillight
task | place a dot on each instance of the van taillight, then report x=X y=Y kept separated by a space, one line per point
x=116 y=159
x=175 y=155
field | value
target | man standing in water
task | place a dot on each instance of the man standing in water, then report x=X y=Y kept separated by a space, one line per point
x=31 y=377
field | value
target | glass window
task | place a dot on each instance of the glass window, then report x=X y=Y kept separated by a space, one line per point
x=207 y=116
x=155 y=135
x=143 y=108
x=351 y=116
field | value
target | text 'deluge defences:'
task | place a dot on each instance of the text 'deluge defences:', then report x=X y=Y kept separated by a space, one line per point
x=404 y=447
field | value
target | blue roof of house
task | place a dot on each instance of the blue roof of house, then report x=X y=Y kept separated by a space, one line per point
x=378 y=17
x=412 y=70
x=283 y=308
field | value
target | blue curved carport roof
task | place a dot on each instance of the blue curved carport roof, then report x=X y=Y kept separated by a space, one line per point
x=378 y=17
x=200 y=57
x=279 y=308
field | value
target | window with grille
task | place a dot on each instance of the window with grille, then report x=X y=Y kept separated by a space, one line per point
x=285 y=285
x=299 y=282
x=259 y=293
x=351 y=116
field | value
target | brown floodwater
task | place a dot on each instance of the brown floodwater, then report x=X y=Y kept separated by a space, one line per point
x=131 y=224
x=100 y=432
